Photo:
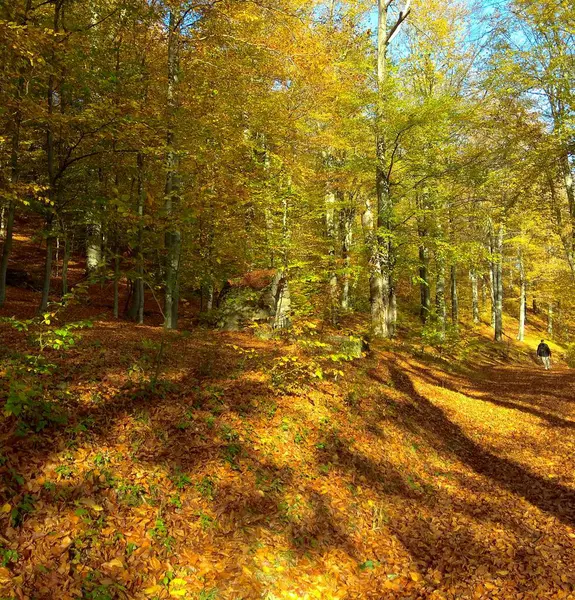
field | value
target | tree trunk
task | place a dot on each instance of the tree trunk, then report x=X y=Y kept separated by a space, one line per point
x=139 y=284
x=380 y=260
x=424 y=288
x=569 y=183
x=65 y=262
x=422 y=204
x=522 y=297
x=172 y=192
x=376 y=287
x=47 y=267
x=51 y=160
x=492 y=272
x=474 y=296
x=346 y=218
x=497 y=269
x=384 y=309
x=440 y=304
x=3 y=220
x=210 y=297
x=567 y=238
x=9 y=212
x=116 y=284
x=331 y=240
x=93 y=246
x=484 y=287
x=6 y=249
x=550 y=320
x=454 y=297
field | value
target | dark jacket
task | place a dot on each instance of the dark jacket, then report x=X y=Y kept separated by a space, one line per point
x=543 y=350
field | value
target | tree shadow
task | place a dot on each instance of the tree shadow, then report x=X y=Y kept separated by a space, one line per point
x=486 y=393
x=445 y=436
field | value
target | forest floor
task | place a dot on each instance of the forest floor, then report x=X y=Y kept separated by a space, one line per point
x=227 y=468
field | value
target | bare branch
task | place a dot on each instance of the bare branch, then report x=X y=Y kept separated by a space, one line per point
x=400 y=20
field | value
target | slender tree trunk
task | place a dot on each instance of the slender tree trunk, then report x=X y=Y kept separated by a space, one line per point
x=347 y=215
x=522 y=297
x=497 y=268
x=8 y=212
x=93 y=245
x=454 y=297
x=140 y=291
x=380 y=260
x=330 y=201
x=392 y=312
x=53 y=192
x=440 y=304
x=422 y=204
x=550 y=319
x=484 y=287
x=65 y=262
x=567 y=238
x=569 y=183
x=116 y=283
x=47 y=267
x=424 y=287
x=3 y=212
x=57 y=258
x=376 y=291
x=210 y=297
x=172 y=191
x=492 y=272
x=6 y=249
x=474 y=296
x=384 y=309
x=283 y=294
x=492 y=293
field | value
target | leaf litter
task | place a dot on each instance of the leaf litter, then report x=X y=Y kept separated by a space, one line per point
x=399 y=480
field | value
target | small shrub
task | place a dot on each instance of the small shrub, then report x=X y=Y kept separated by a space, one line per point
x=180 y=480
x=206 y=487
x=130 y=494
x=160 y=533
x=8 y=556
x=23 y=508
x=230 y=453
x=570 y=356
x=206 y=522
x=64 y=472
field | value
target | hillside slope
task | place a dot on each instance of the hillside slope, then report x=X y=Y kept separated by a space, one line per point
x=240 y=473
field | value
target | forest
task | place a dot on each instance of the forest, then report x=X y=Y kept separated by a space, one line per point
x=275 y=276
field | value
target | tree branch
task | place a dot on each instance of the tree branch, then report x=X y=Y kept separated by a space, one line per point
x=403 y=14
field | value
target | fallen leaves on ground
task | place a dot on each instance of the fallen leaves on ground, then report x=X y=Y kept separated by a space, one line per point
x=399 y=480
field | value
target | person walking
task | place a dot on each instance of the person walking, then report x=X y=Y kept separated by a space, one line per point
x=544 y=352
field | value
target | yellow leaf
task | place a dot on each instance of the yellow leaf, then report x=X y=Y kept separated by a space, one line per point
x=178 y=593
x=6 y=508
x=154 y=589
x=247 y=571
x=90 y=504
x=115 y=563
x=415 y=576
x=177 y=582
